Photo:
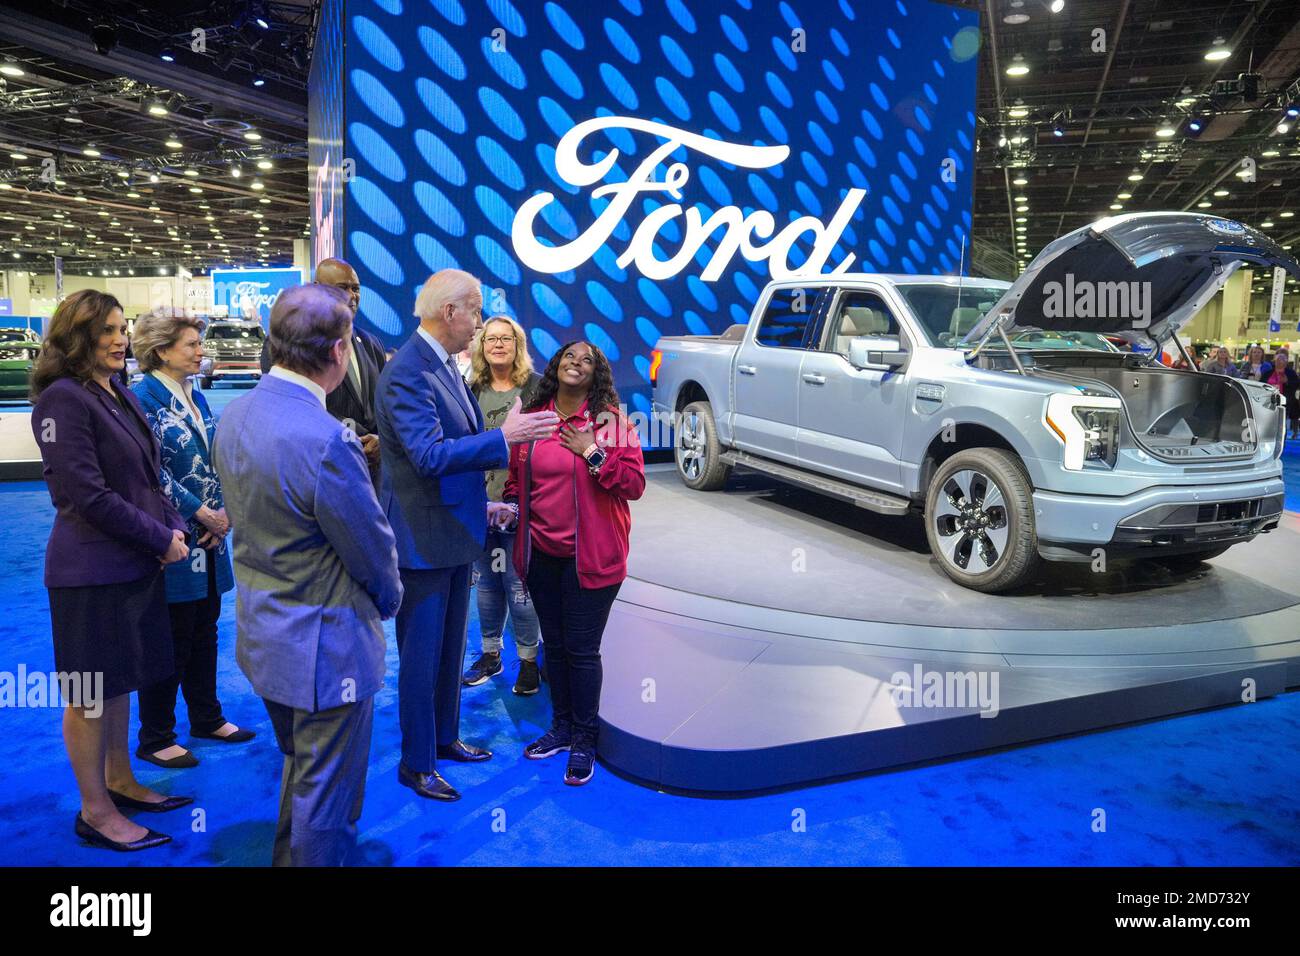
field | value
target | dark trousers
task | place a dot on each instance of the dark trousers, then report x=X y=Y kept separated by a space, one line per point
x=194 y=647
x=572 y=619
x=323 y=783
x=431 y=649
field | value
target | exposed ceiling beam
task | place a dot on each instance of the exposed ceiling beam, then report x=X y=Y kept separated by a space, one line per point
x=72 y=46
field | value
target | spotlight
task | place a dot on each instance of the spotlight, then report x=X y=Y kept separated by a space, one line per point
x=1018 y=66
x=1057 y=131
x=1057 y=6
x=1195 y=126
x=1218 y=51
x=1293 y=111
x=104 y=36
x=167 y=55
x=259 y=80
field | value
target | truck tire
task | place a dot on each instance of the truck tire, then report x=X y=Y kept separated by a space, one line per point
x=697 y=451
x=1186 y=563
x=979 y=520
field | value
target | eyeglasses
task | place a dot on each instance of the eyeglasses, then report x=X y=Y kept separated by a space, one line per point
x=498 y=340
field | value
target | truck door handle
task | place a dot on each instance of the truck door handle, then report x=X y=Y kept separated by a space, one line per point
x=746 y=370
x=812 y=379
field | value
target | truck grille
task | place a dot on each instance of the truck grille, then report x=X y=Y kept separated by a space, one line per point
x=1197 y=524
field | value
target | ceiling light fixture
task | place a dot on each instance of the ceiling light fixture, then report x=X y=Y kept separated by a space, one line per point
x=1218 y=51
x=1018 y=66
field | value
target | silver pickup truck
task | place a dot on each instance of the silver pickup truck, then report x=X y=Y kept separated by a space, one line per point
x=1001 y=412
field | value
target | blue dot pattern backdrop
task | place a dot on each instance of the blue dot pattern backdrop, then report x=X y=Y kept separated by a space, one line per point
x=623 y=170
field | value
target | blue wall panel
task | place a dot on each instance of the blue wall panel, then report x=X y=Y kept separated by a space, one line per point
x=454 y=112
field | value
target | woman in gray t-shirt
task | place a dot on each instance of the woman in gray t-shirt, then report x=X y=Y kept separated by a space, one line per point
x=500 y=372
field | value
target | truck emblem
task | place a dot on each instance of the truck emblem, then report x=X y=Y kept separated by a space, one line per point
x=740 y=233
x=1227 y=226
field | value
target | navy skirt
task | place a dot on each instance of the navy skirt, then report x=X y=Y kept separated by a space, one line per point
x=120 y=630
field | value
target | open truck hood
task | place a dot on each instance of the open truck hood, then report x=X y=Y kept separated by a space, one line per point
x=1141 y=275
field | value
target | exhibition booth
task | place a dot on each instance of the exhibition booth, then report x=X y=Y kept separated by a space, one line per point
x=618 y=176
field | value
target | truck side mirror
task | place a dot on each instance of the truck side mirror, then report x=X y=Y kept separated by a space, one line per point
x=877 y=351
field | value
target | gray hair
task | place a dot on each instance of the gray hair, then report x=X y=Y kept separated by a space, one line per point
x=306 y=321
x=160 y=329
x=443 y=287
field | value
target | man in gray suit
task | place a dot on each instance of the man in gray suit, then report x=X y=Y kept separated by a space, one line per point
x=316 y=569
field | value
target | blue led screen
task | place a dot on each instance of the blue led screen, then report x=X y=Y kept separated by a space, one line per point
x=692 y=151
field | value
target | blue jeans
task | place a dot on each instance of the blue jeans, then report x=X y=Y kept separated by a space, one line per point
x=495 y=578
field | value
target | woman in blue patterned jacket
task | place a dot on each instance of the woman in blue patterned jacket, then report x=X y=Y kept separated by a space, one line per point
x=169 y=349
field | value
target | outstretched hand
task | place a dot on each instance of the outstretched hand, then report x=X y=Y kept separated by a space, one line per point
x=521 y=427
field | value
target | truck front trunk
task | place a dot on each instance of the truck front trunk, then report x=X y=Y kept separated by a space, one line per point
x=1174 y=415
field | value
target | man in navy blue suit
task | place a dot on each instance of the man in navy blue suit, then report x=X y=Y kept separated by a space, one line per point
x=432 y=487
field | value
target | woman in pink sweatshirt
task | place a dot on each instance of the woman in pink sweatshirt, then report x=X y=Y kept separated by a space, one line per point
x=570 y=494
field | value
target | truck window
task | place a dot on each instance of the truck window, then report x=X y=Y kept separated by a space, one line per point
x=785 y=321
x=858 y=314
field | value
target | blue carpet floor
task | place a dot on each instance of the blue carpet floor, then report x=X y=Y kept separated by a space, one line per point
x=1214 y=788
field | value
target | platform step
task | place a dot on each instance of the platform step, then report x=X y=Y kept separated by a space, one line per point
x=878 y=501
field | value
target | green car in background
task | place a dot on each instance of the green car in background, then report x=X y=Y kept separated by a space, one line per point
x=17 y=356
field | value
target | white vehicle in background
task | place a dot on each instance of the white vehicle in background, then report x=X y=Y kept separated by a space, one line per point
x=232 y=352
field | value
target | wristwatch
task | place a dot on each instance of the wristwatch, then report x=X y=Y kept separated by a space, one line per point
x=595 y=456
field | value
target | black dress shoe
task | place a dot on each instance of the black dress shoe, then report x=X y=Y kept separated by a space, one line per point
x=180 y=762
x=123 y=802
x=238 y=737
x=462 y=752
x=429 y=785
x=92 y=836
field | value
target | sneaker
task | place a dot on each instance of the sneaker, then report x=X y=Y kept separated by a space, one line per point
x=549 y=744
x=487 y=666
x=529 y=680
x=582 y=761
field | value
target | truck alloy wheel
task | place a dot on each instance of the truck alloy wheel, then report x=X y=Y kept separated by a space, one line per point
x=692 y=455
x=697 y=451
x=979 y=520
x=971 y=521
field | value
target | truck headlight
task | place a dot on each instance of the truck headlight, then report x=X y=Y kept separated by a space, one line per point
x=1087 y=425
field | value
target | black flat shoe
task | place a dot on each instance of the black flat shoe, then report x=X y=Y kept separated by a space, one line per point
x=123 y=802
x=90 y=835
x=430 y=785
x=462 y=752
x=238 y=737
x=174 y=763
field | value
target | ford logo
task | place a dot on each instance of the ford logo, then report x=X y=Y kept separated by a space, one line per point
x=1227 y=226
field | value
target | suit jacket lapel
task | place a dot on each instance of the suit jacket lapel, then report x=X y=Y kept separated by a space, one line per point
x=167 y=399
x=138 y=436
x=458 y=390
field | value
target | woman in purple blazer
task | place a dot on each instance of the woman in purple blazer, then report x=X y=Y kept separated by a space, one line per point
x=113 y=532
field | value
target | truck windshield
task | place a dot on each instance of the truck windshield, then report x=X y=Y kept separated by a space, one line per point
x=236 y=332
x=946 y=312
x=1042 y=339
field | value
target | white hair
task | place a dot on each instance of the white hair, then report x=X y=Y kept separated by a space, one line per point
x=443 y=287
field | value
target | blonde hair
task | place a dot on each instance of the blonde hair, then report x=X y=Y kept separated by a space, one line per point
x=443 y=287
x=160 y=329
x=481 y=372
